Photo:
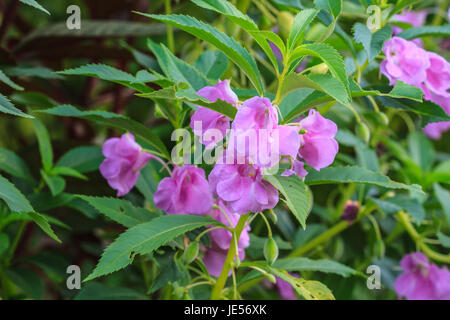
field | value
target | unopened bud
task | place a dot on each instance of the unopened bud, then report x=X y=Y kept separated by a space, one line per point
x=319 y=69
x=351 y=210
x=362 y=130
x=190 y=253
x=383 y=118
x=285 y=21
x=270 y=251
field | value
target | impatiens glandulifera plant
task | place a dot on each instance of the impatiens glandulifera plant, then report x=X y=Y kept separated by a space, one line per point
x=263 y=107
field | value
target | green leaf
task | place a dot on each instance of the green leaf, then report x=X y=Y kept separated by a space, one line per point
x=439 y=31
x=67 y=171
x=5 y=79
x=27 y=281
x=99 y=291
x=327 y=54
x=82 y=159
x=355 y=175
x=372 y=42
x=421 y=150
x=212 y=64
x=45 y=147
x=444 y=199
x=176 y=69
x=31 y=71
x=332 y=6
x=14 y=199
x=322 y=265
x=144 y=239
x=7 y=107
x=441 y=173
x=55 y=183
x=113 y=120
x=401 y=202
x=445 y=240
x=321 y=82
x=227 y=45
x=14 y=165
x=301 y=21
x=297 y=196
x=36 y=5
x=120 y=211
x=109 y=73
x=42 y=222
x=173 y=93
x=226 y=8
x=4 y=243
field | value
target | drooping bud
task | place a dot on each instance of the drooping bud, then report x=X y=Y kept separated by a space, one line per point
x=190 y=253
x=285 y=21
x=270 y=251
x=362 y=131
x=383 y=118
x=320 y=69
x=351 y=210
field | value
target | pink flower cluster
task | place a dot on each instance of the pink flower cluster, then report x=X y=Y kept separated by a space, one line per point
x=407 y=62
x=234 y=187
x=422 y=280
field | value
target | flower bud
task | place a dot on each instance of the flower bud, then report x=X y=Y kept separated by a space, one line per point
x=351 y=210
x=271 y=278
x=383 y=118
x=270 y=251
x=190 y=253
x=379 y=249
x=285 y=21
x=319 y=69
x=362 y=131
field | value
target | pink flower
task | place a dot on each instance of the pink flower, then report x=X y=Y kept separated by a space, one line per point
x=422 y=280
x=298 y=168
x=438 y=78
x=258 y=118
x=436 y=129
x=242 y=187
x=124 y=160
x=405 y=61
x=215 y=257
x=185 y=192
x=318 y=146
x=211 y=119
x=285 y=289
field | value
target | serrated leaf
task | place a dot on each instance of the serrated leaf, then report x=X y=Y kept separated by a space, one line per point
x=67 y=171
x=56 y=184
x=14 y=199
x=14 y=165
x=144 y=239
x=327 y=54
x=120 y=211
x=301 y=21
x=412 y=33
x=221 y=41
x=401 y=202
x=5 y=79
x=355 y=175
x=372 y=42
x=176 y=69
x=82 y=159
x=297 y=196
x=332 y=6
x=321 y=82
x=212 y=64
x=42 y=222
x=113 y=120
x=322 y=265
x=7 y=107
x=35 y=4
x=45 y=147
x=109 y=73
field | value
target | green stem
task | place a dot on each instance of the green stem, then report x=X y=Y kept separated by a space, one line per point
x=15 y=243
x=330 y=233
x=170 y=41
x=218 y=287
